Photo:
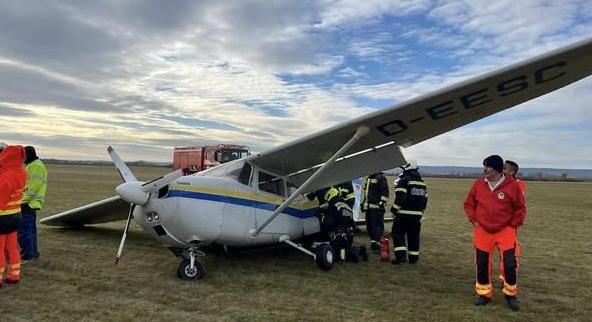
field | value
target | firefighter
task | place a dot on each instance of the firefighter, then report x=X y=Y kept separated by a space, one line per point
x=341 y=227
x=346 y=192
x=411 y=199
x=33 y=200
x=12 y=183
x=376 y=196
x=496 y=207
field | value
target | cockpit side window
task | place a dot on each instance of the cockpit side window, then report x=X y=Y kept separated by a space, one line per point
x=245 y=175
x=271 y=183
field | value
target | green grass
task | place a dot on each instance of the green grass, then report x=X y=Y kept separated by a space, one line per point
x=75 y=278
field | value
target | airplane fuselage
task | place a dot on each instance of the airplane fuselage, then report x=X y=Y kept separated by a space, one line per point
x=199 y=210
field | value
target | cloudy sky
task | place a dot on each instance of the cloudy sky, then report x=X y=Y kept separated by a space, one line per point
x=145 y=76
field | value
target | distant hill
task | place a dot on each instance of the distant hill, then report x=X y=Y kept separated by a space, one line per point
x=101 y=162
x=526 y=173
x=440 y=171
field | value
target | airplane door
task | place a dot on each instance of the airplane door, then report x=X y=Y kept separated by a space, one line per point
x=239 y=210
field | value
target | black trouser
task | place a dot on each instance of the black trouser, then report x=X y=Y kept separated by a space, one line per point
x=375 y=223
x=410 y=226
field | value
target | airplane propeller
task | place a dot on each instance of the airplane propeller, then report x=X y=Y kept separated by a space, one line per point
x=136 y=192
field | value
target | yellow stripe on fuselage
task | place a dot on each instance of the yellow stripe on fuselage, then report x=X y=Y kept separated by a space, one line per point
x=300 y=205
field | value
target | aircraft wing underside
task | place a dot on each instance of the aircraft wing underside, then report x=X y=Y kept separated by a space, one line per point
x=106 y=210
x=354 y=166
x=432 y=114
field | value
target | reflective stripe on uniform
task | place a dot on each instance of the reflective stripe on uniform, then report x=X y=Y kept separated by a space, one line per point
x=410 y=212
x=483 y=289
x=417 y=183
x=373 y=206
x=413 y=253
x=400 y=248
x=400 y=189
x=396 y=206
x=510 y=290
x=10 y=211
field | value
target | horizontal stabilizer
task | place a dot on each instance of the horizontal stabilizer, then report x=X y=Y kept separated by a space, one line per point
x=106 y=210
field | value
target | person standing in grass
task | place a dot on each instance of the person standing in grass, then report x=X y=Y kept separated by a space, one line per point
x=496 y=207
x=33 y=200
x=511 y=169
x=12 y=183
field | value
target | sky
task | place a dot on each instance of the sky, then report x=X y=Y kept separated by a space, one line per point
x=146 y=76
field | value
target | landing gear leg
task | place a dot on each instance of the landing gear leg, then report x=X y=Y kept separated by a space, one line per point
x=190 y=268
x=323 y=254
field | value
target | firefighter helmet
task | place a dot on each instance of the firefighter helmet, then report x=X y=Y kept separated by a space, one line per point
x=411 y=165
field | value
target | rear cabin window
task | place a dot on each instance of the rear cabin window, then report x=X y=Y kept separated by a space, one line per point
x=271 y=183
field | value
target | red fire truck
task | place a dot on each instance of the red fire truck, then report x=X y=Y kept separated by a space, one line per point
x=197 y=158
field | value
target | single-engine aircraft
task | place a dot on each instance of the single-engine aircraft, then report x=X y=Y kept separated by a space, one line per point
x=258 y=200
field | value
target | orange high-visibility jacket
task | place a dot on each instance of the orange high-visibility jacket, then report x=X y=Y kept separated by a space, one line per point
x=12 y=179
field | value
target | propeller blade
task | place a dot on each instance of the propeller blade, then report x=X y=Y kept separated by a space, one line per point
x=154 y=185
x=125 y=173
x=122 y=242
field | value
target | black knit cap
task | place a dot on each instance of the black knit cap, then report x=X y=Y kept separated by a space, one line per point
x=495 y=162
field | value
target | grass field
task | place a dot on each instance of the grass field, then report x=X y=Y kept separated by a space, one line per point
x=75 y=279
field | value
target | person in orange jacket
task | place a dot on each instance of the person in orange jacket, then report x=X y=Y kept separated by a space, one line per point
x=511 y=169
x=496 y=207
x=12 y=184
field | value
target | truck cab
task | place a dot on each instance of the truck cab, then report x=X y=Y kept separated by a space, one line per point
x=197 y=158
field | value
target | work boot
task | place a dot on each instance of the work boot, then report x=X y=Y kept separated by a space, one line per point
x=413 y=259
x=374 y=246
x=352 y=255
x=482 y=300
x=512 y=303
x=398 y=261
x=9 y=281
x=364 y=253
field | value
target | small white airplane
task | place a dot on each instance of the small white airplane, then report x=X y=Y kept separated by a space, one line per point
x=259 y=200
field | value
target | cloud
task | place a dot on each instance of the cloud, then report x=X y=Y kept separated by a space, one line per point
x=147 y=77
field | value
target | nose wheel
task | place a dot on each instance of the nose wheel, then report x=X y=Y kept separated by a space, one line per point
x=190 y=268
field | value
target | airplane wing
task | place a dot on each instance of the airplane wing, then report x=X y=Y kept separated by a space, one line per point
x=106 y=210
x=427 y=116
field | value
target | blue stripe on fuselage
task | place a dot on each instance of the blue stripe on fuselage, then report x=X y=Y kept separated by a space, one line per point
x=241 y=202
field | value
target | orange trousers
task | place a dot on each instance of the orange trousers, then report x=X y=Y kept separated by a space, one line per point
x=9 y=248
x=507 y=244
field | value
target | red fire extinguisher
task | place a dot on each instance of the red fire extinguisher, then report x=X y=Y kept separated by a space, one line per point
x=385 y=255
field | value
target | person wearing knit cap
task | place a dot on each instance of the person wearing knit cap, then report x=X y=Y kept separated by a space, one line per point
x=496 y=207
x=33 y=200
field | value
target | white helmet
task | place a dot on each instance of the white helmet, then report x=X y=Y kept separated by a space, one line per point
x=412 y=165
x=3 y=145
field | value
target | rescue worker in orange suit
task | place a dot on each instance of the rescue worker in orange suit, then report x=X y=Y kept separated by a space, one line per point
x=511 y=169
x=496 y=207
x=411 y=199
x=12 y=184
x=376 y=194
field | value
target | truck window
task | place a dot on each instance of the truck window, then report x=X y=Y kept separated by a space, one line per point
x=245 y=175
x=229 y=155
x=271 y=183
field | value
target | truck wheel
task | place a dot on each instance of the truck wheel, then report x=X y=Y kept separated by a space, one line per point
x=325 y=257
x=185 y=272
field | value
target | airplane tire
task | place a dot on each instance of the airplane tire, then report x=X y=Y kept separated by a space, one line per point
x=325 y=257
x=185 y=272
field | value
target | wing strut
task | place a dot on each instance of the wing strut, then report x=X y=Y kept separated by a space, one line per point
x=360 y=132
